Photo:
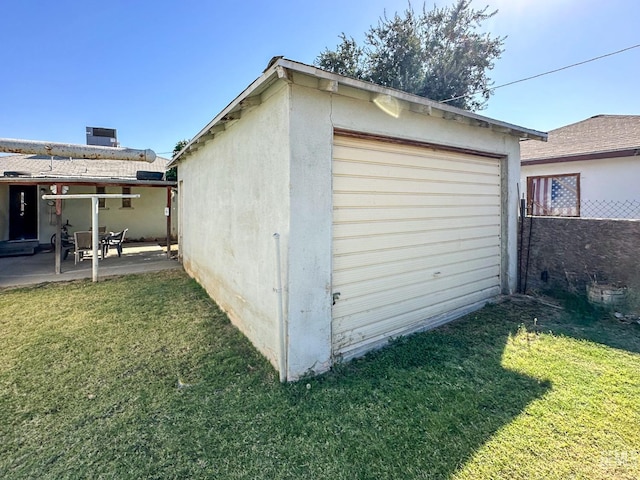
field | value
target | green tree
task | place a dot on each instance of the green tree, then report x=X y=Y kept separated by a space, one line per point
x=179 y=146
x=172 y=173
x=439 y=54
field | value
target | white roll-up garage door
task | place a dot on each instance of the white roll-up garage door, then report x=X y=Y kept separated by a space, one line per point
x=416 y=238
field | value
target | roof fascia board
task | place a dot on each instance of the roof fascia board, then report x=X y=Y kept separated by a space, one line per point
x=633 y=152
x=275 y=72
x=261 y=83
x=408 y=97
x=88 y=181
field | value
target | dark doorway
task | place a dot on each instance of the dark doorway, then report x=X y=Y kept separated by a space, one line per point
x=23 y=212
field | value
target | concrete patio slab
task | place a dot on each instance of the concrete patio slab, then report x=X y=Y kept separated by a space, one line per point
x=40 y=268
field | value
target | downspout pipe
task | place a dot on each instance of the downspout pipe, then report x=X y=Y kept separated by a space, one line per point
x=282 y=330
x=71 y=150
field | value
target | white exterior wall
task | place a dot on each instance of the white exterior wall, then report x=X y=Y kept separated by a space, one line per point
x=309 y=265
x=612 y=179
x=314 y=115
x=235 y=196
x=145 y=219
x=271 y=172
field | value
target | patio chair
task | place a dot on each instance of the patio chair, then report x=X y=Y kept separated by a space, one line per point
x=82 y=245
x=113 y=240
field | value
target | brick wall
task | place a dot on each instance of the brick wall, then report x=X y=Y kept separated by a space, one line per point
x=569 y=252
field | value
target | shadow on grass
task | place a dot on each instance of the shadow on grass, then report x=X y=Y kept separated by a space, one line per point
x=583 y=320
x=418 y=409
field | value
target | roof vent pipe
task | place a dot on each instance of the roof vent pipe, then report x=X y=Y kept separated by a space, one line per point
x=91 y=152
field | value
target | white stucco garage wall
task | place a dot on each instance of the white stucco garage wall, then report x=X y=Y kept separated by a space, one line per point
x=270 y=171
x=309 y=255
x=611 y=179
x=314 y=115
x=235 y=194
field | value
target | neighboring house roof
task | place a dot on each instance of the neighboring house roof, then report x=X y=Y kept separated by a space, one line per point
x=282 y=69
x=601 y=136
x=58 y=168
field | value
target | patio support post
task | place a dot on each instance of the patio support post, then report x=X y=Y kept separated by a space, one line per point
x=169 y=223
x=95 y=239
x=58 y=248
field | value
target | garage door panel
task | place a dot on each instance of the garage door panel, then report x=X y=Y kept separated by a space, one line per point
x=423 y=265
x=402 y=239
x=424 y=159
x=347 y=264
x=416 y=234
x=425 y=214
x=401 y=314
x=350 y=342
x=423 y=199
x=359 y=297
x=364 y=184
x=402 y=172
x=388 y=227
x=356 y=300
x=397 y=324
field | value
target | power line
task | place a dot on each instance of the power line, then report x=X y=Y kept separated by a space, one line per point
x=545 y=73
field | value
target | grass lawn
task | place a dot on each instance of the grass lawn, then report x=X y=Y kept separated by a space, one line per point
x=143 y=377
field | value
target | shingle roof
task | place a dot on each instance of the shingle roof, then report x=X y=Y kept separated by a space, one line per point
x=40 y=166
x=598 y=134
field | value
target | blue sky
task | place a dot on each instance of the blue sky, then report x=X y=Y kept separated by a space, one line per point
x=158 y=71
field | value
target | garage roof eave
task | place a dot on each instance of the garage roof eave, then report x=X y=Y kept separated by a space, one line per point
x=278 y=70
x=449 y=111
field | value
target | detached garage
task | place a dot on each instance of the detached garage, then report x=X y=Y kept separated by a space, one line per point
x=326 y=215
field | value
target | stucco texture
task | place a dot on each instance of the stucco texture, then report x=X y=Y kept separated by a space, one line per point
x=235 y=194
x=270 y=172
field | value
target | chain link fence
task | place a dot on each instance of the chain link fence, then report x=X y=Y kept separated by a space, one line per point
x=610 y=209
x=591 y=209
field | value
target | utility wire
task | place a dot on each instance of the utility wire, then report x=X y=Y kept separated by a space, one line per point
x=528 y=78
x=545 y=73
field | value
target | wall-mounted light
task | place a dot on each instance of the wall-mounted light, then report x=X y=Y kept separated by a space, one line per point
x=388 y=105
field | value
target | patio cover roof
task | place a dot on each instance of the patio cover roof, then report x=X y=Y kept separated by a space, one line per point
x=44 y=169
